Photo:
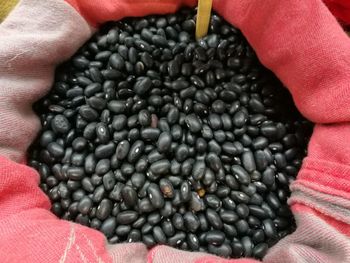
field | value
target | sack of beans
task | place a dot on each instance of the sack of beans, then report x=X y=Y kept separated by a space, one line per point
x=126 y=138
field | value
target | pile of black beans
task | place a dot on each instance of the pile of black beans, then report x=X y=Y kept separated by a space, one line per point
x=149 y=135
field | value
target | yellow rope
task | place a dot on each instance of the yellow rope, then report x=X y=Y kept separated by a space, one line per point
x=5 y=8
x=203 y=18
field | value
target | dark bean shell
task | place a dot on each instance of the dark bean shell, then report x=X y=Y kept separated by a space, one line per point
x=108 y=226
x=159 y=235
x=126 y=217
x=177 y=238
x=160 y=167
x=191 y=222
x=213 y=218
x=193 y=123
x=136 y=150
x=166 y=187
x=150 y=134
x=241 y=175
x=164 y=142
x=185 y=191
x=155 y=196
x=129 y=196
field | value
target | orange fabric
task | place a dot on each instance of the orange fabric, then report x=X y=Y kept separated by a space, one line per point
x=96 y=12
x=340 y=226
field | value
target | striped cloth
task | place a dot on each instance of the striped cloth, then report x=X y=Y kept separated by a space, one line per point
x=299 y=40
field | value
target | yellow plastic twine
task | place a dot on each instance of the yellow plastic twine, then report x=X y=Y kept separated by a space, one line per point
x=203 y=18
x=5 y=7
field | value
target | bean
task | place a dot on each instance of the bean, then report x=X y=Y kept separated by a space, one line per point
x=185 y=191
x=104 y=209
x=164 y=142
x=155 y=196
x=150 y=134
x=241 y=175
x=105 y=150
x=177 y=238
x=166 y=187
x=108 y=226
x=55 y=149
x=159 y=235
x=178 y=221
x=193 y=123
x=248 y=161
x=129 y=195
x=214 y=162
x=135 y=151
x=228 y=216
x=260 y=250
x=247 y=246
x=269 y=228
x=191 y=222
x=139 y=222
x=215 y=237
x=145 y=205
x=75 y=173
x=102 y=166
x=126 y=217
x=213 y=218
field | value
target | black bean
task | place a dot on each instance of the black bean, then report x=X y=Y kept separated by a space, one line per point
x=229 y=148
x=136 y=150
x=248 y=161
x=164 y=142
x=105 y=150
x=260 y=160
x=104 y=209
x=224 y=250
x=182 y=152
x=268 y=176
x=126 y=217
x=212 y=201
x=144 y=118
x=166 y=187
x=117 y=106
x=168 y=228
x=228 y=216
x=240 y=197
x=213 y=218
x=75 y=173
x=84 y=206
x=177 y=238
x=215 y=237
x=191 y=222
x=269 y=228
x=213 y=162
x=155 y=196
x=129 y=195
x=239 y=119
x=159 y=235
x=185 y=191
x=273 y=201
x=192 y=241
x=178 y=221
x=160 y=167
x=122 y=149
x=155 y=156
x=60 y=124
x=260 y=250
x=150 y=134
x=123 y=230
x=241 y=175
x=55 y=149
x=108 y=226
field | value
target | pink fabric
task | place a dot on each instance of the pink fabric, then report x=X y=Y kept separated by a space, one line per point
x=299 y=40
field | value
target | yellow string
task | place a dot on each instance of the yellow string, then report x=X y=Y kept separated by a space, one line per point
x=203 y=18
x=5 y=8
